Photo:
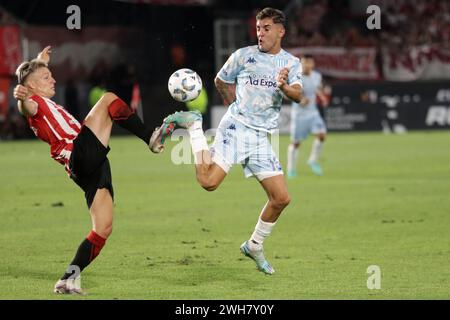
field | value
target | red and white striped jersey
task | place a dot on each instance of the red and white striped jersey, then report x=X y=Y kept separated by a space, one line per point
x=54 y=125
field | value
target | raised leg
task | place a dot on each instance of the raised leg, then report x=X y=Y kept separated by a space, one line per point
x=99 y=120
x=109 y=109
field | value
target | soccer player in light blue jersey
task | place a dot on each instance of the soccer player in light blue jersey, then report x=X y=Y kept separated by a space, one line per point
x=252 y=82
x=306 y=119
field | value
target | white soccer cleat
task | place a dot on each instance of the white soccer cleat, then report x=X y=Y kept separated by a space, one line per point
x=60 y=287
x=69 y=286
x=258 y=256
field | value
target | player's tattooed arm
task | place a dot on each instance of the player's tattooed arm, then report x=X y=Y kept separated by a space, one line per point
x=293 y=92
x=26 y=106
x=226 y=90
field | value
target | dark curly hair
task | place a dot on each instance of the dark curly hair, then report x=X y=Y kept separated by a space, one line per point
x=276 y=15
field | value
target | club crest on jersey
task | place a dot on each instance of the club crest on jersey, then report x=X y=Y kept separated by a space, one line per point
x=251 y=60
x=281 y=63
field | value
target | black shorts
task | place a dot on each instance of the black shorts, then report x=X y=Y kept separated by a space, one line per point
x=89 y=165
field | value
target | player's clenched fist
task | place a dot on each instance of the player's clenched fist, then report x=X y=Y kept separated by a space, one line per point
x=21 y=92
x=304 y=101
x=282 y=77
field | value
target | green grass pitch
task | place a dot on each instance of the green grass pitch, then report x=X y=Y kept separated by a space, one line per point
x=384 y=200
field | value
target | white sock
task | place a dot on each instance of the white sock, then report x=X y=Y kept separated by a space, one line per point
x=262 y=231
x=315 y=151
x=292 y=157
x=197 y=138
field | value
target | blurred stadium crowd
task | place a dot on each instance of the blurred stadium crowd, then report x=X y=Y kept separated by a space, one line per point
x=404 y=23
x=337 y=23
x=136 y=44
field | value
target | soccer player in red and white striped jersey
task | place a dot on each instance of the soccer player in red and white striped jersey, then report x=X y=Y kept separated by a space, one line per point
x=54 y=125
x=81 y=149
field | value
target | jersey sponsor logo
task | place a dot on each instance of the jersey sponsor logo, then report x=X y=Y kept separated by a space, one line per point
x=261 y=81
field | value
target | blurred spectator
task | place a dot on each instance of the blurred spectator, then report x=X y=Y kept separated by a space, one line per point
x=405 y=23
x=200 y=103
x=96 y=93
x=178 y=54
x=14 y=126
x=97 y=79
x=251 y=24
x=71 y=98
x=123 y=78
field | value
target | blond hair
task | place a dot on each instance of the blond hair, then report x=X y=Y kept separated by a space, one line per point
x=28 y=67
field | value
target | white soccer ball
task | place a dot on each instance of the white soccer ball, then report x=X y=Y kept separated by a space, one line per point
x=185 y=85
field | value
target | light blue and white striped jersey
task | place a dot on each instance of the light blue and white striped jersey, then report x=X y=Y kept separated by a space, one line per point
x=311 y=83
x=258 y=99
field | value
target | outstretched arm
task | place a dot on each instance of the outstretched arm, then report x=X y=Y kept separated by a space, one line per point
x=226 y=90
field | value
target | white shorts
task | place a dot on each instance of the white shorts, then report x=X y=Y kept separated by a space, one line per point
x=235 y=143
x=303 y=125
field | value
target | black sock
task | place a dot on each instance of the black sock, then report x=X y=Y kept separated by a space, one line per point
x=81 y=259
x=125 y=117
x=86 y=253
x=135 y=126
